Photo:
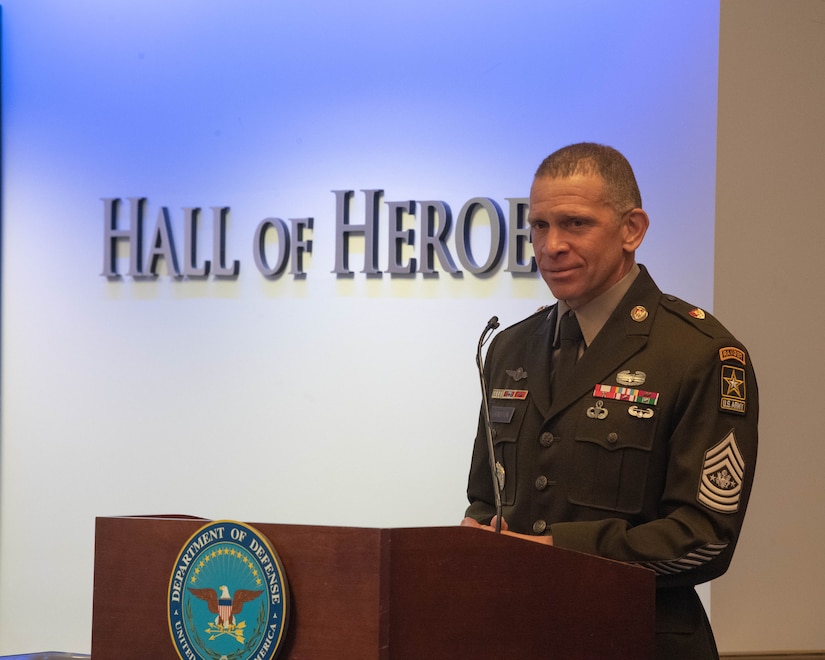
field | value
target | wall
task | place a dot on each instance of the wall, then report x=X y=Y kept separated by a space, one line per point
x=769 y=271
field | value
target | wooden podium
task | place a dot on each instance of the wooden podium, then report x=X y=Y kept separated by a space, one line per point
x=390 y=594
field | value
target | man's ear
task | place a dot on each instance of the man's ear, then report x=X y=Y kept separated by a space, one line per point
x=634 y=227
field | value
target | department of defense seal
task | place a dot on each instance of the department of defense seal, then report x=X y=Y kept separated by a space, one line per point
x=228 y=595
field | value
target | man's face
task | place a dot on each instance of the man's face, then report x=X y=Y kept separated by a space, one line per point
x=582 y=248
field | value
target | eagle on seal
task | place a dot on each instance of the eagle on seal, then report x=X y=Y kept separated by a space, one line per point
x=224 y=605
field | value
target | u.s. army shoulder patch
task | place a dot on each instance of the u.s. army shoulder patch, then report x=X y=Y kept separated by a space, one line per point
x=722 y=473
x=733 y=387
x=734 y=394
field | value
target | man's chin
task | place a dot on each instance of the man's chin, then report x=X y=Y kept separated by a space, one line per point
x=559 y=290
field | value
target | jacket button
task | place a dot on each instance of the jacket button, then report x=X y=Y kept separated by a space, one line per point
x=546 y=439
x=539 y=526
x=612 y=438
x=541 y=483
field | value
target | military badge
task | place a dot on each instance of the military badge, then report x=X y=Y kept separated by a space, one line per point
x=722 y=473
x=631 y=394
x=598 y=411
x=509 y=394
x=500 y=475
x=517 y=374
x=638 y=313
x=732 y=353
x=228 y=595
x=641 y=413
x=628 y=377
x=733 y=390
x=697 y=313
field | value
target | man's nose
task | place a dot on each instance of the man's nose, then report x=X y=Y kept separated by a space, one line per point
x=554 y=242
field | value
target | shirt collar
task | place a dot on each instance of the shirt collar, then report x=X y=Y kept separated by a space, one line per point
x=593 y=315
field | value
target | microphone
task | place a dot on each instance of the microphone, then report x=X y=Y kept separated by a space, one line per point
x=492 y=324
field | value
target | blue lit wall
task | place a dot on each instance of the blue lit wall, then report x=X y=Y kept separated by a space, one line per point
x=317 y=399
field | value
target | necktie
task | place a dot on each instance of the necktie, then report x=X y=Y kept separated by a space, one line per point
x=570 y=336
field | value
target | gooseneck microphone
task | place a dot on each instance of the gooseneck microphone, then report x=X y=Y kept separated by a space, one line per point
x=492 y=324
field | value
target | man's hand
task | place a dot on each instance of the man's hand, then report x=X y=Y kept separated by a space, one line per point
x=472 y=522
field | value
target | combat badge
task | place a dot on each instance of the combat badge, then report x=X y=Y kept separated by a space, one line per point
x=228 y=595
x=734 y=396
x=631 y=378
x=722 y=473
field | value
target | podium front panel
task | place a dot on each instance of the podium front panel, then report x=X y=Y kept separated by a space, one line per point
x=389 y=594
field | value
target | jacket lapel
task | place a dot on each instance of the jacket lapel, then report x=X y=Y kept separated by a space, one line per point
x=539 y=352
x=619 y=339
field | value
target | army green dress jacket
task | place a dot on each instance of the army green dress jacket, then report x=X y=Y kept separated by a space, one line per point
x=646 y=456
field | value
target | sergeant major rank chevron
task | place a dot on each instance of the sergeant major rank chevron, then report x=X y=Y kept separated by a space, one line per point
x=722 y=472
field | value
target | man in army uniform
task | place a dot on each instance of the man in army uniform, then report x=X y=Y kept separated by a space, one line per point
x=642 y=449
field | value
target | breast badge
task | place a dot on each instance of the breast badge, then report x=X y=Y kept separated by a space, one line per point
x=228 y=595
x=598 y=411
x=631 y=378
x=517 y=374
x=641 y=413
